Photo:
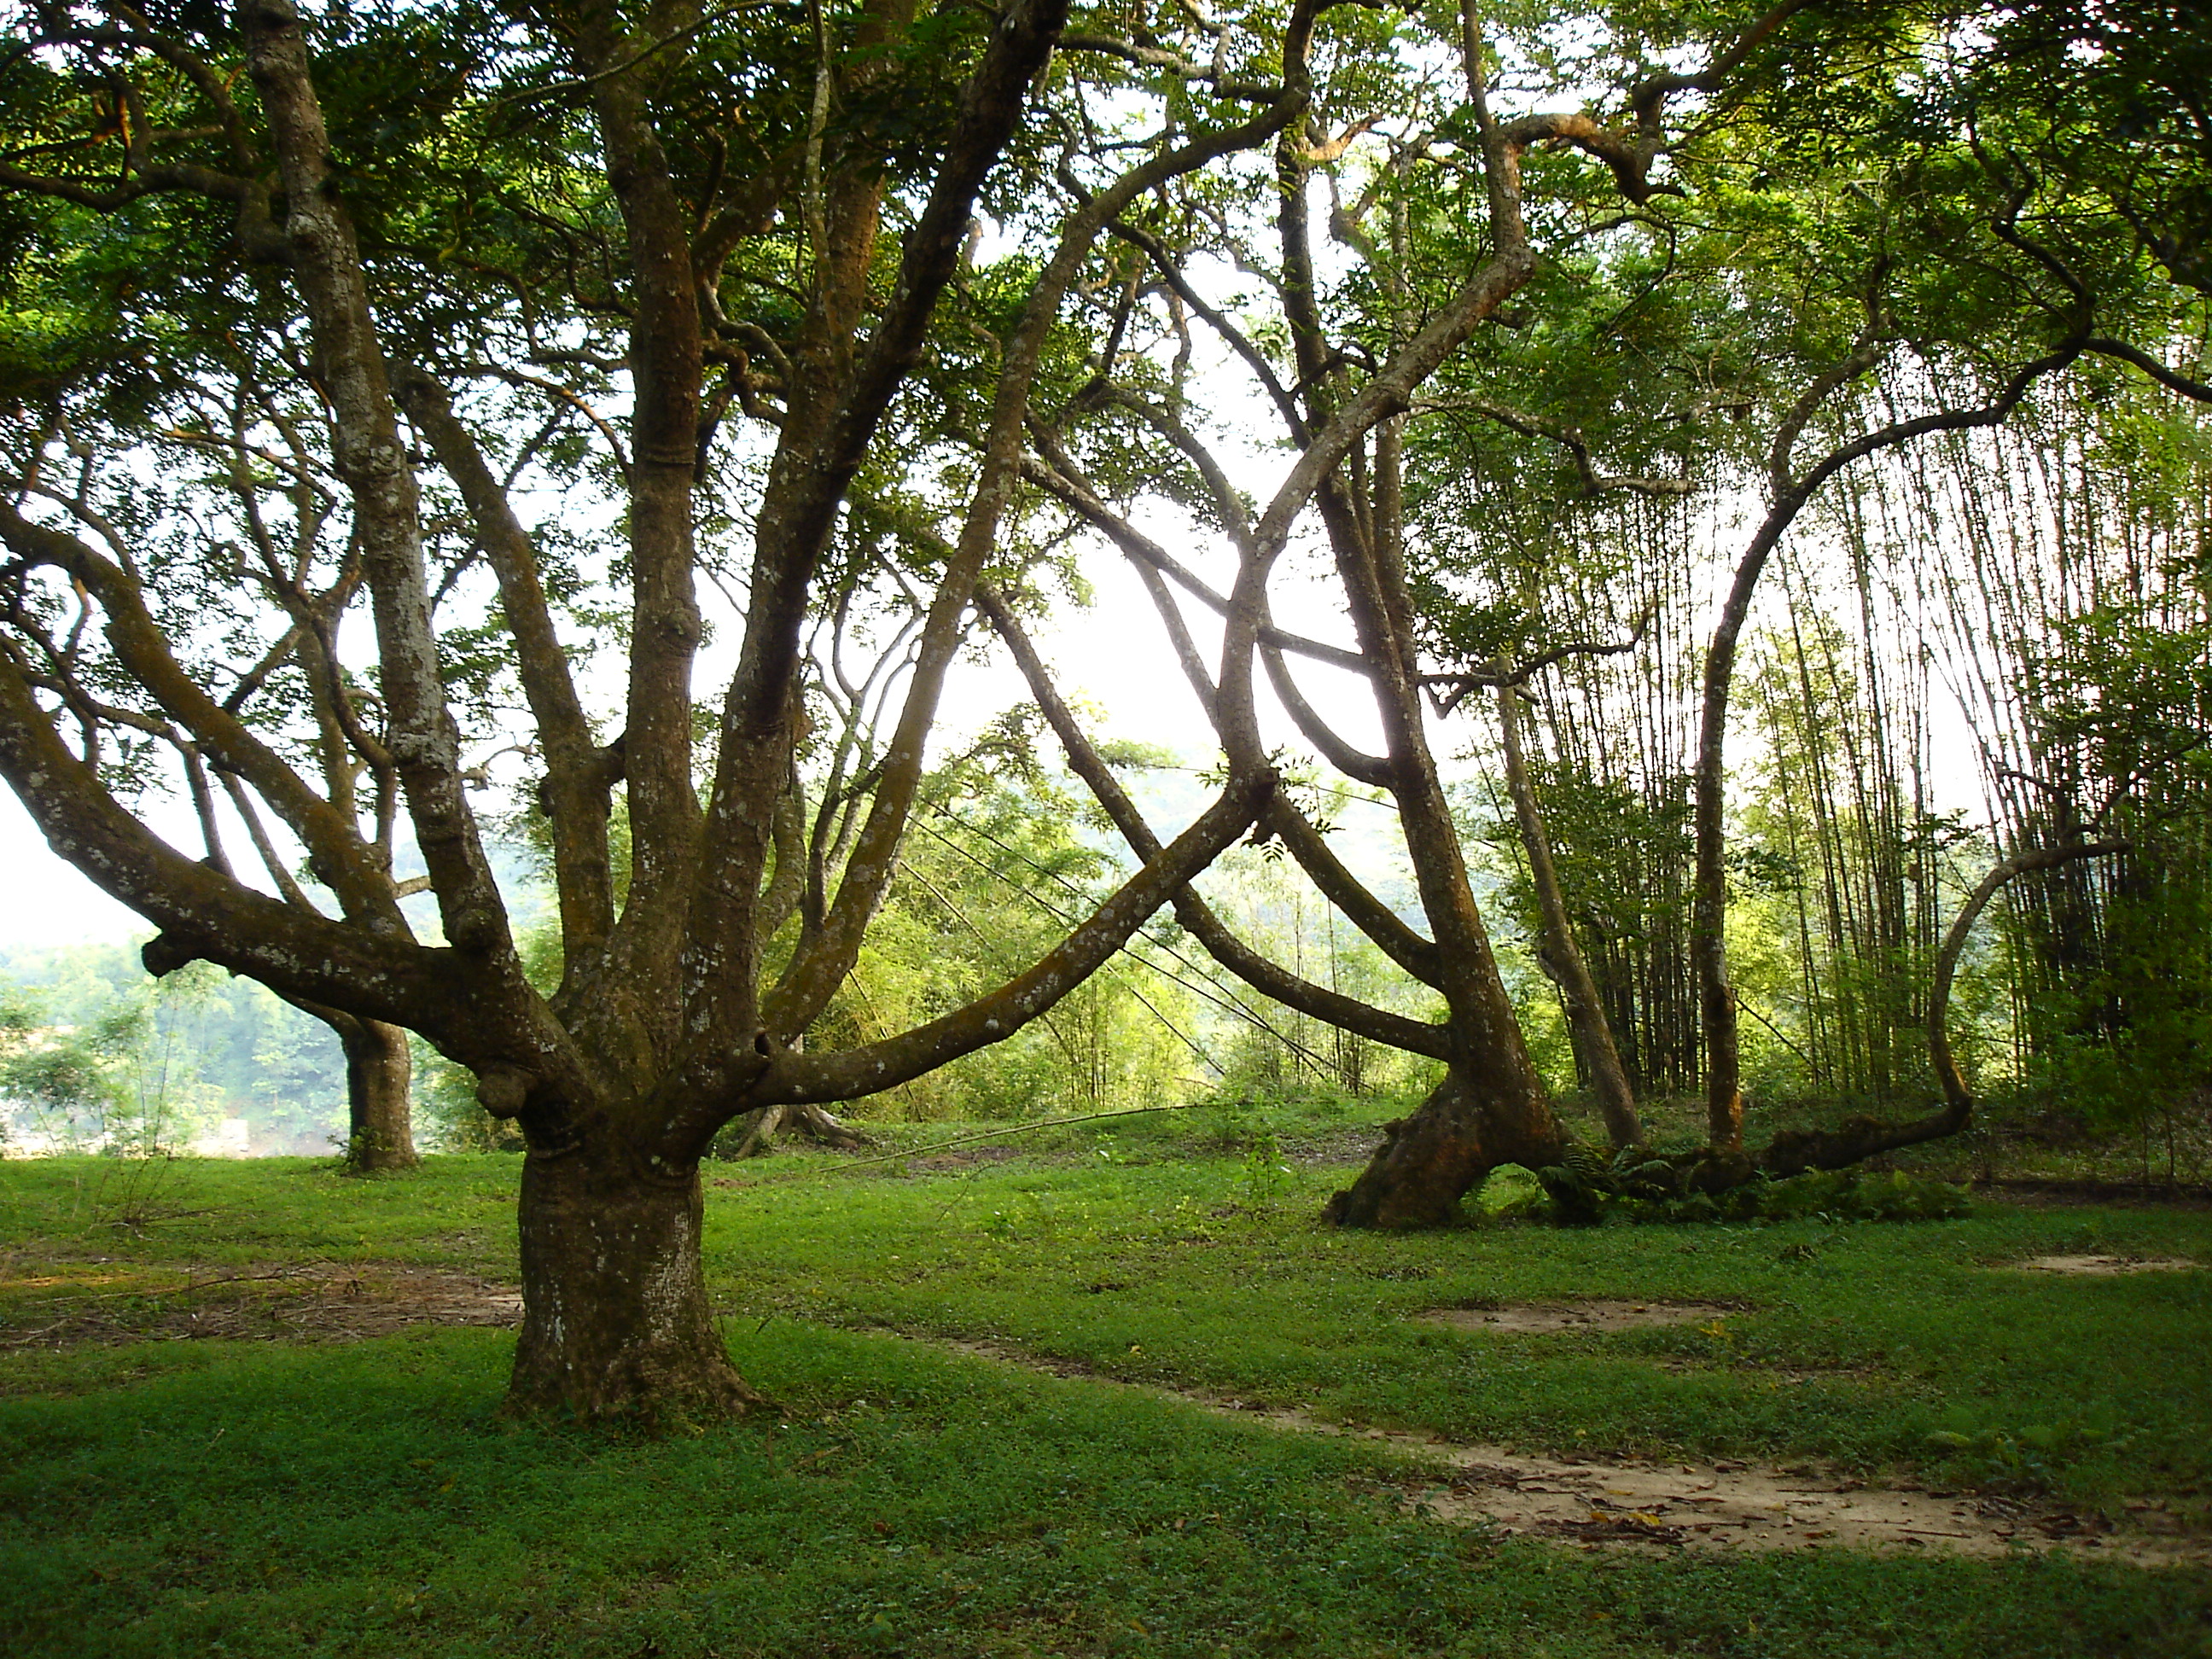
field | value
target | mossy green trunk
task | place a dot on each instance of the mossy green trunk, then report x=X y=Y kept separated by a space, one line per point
x=616 y=1321
x=380 y=1075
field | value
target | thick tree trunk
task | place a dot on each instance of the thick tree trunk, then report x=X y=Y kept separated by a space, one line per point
x=379 y=1072
x=1434 y=1157
x=615 y=1319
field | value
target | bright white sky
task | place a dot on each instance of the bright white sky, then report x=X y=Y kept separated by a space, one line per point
x=48 y=901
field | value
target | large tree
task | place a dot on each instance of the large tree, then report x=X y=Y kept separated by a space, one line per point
x=1450 y=211
x=527 y=323
x=1750 y=277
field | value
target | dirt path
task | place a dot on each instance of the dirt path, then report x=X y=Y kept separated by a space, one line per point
x=2106 y=1266
x=75 y=1304
x=1724 y=1505
x=1597 y=1313
x=1731 y=1505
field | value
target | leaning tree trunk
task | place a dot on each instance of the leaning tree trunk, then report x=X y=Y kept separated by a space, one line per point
x=1792 y=1152
x=1561 y=957
x=615 y=1323
x=379 y=1072
x=1957 y=1099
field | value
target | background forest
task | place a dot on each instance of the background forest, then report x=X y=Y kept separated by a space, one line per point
x=1981 y=650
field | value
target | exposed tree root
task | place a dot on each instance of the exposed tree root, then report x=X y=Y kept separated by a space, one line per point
x=1429 y=1162
x=755 y=1135
x=1433 y=1157
x=1855 y=1139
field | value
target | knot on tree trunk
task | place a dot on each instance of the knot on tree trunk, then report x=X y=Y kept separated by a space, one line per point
x=168 y=951
x=502 y=1090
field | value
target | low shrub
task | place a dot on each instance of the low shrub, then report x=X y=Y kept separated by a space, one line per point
x=1587 y=1189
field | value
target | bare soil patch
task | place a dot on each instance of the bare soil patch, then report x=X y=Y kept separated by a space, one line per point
x=1660 y=1507
x=2106 y=1267
x=1730 y=1506
x=944 y=1162
x=1596 y=1314
x=109 y=1303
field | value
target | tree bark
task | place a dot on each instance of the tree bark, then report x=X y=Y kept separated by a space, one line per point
x=1957 y=1099
x=615 y=1323
x=1431 y=1159
x=379 y=1070
x=1585 y=1009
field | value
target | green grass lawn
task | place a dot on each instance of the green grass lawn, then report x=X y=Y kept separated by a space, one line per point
x=263 y=1497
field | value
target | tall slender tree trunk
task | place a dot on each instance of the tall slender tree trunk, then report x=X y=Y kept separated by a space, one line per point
x=380 y=1075
x=1717 y=1005
x=1708 y=904
x=616 y=1321
x=1578 y=992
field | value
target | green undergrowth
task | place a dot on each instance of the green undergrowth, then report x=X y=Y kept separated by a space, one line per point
x=1636 y=1185
x=1849 y=1342
x=251 y=1497
x=365 y=1501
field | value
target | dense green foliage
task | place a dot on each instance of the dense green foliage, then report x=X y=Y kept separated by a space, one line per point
x=2000 y=644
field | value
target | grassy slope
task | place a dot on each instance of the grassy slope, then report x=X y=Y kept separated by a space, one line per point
x=191 y=1498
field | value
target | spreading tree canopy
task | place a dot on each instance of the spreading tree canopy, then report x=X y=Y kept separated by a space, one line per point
x=1837 y=233
x=497 y=335
x=422 y=411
